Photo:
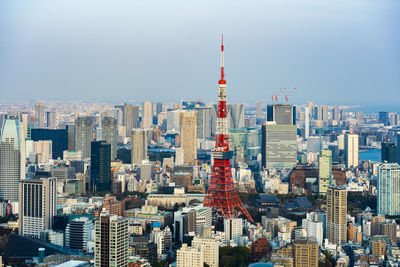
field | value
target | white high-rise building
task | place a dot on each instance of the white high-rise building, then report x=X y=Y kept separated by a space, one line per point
x=306 y=122
x=42 y=150
x=173 y=120
x=351 y=150
x=111 y=241
x=12 y=158
x=233 y=229
x=139 y=146
x=189 y=257
x=210 y=249
x=314 y=230
x=147 y=115
x=37 y=205
x=388 y=187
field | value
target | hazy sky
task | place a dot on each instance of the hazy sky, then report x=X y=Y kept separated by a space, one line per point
x=344 y=52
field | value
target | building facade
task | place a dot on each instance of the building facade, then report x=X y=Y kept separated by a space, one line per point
x=388 y=189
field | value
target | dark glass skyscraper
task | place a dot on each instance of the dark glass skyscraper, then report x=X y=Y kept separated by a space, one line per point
x=100 y=166
x=389 y=152
x=58 y=137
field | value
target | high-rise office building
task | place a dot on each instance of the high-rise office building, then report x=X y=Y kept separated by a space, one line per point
x=321 y=113
x=119 y=114
x=335 y=114
x=173 y=120
x=189 y=257
x=384 y=117
x=351 y=150
x=58 y=137
x=100 y=166
x=51 y=120
x=236 y=116
x=259 y=110
x=306 y=122
x=389 y=152
x=71 y=136
x=203 y=122
x=131 y=118
x=37 y=205
x=84 y=127
x=139 y=146
x=282 y=114
x=210 y=249
x=147 y=115
x=111 y=241
x=78 y=233
x=233 y=229
x=324 y=171
x=388 y=187
x=109 y=134
x=336 y=225
x=39 y=114
x=12 y=158
x=306 y=253
x=159 y=108
x=188 y=133
x=279 y=146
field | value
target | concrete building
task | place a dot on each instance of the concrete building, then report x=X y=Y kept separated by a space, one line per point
x=188 y=133
x=210 y=249
x=84 y=127
x=147 y=115
x=189 y=257
x=109 y=134
x=306 y=253
x=236 y=116
x=111 y=241
x=39 y=115
x=51 y=120
x=37 y=205
x=324 y=171
x=351 y=150
x=281 y=114
x=131 y=118
x=336 y=201
x=233 y=229
x=388 y=187
x=139 y=146
x=79 y=234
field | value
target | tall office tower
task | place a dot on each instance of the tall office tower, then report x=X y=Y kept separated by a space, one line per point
x=389 y=152
x=188 y=133
x=343 y=115
x=306 y=253
x=42 y=151
x=189 y=257
x=39 y=114
x=236 y=116
x=258 y=110
x=306 y=122
x=131 y=118
x=324 y=171
x=310 y=106
x=158 y=108
x=84 y=127
x=210 y=249
x=336 y=225
x=221 y=192
x=100 y=166
x=111 y=241
x=203 y=122
x=351 y=150
x=37 y=205
x=139 y=146
x=173 y=120
x=58 y=137
x=12 y=163
x=147 y=115
x=109 y=134
x=324 y=113
x=78 y=233
x=233 y=228
x=335 y=114
x=51 y=120
x=119 y=114
x=24 y=117
x=388 y=189
x=282 y=114
x=71 y=137
x=279 y=146
x=384 y=117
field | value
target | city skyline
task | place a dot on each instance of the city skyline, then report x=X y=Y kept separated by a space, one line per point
x=325 y=50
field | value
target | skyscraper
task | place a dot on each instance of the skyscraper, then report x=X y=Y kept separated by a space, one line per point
x=131 y=118
x=84 y=127
x=236 y=116
x=389 y=152
x=282 y=114
x=100 y=166
x=51 y=120
x=388 y=186
x=203 y=122
x=12 y=163
x=139 y=146
x=306 y=253
x=233 y=228
x=109 y=134
x=71 y=137
x=147 y=116
x=258 y=110
x=324 y=171
x=306 y=122
x=279 y=146
x=37 y=205
x=159 y=108
x=39 y=114
x=188 y=133
x=78 y=233
x=336 y=225
x=351 y=150
x=384 y=117
x=111 y=241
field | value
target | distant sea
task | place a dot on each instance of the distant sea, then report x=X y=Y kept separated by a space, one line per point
x=368 y=109
x=374 y=155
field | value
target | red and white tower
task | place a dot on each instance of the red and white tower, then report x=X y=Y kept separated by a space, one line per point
x=221 y=192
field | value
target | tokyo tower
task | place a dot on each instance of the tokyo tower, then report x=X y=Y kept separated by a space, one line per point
x=221 y=192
